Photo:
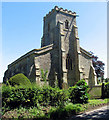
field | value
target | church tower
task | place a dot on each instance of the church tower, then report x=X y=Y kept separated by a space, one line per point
x=60 y=30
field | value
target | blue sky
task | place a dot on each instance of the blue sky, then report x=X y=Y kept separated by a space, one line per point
x=22 y=27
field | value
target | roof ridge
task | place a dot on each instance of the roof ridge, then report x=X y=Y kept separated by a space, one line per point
x=85 y=52
x=36 y=51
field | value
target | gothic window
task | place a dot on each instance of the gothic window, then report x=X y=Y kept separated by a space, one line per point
x=66 y=24
x=68 y=62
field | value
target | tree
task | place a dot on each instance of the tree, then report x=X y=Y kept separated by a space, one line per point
x=98 y=65
x=107 y=80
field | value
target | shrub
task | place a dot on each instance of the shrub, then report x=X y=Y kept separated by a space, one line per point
x=58 y=97
x=19 y=79
x=73 y=108
x=57 y=113
x=70 y=109
x=78 y=93
x=53 y=96
x=106 y=90
x=65 y=111
x=21 y=96
x=44 y=76
x=33 y=96
x=23 y=113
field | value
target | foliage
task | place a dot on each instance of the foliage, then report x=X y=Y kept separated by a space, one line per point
x=38 y=113
x=54 y=112
x=63 y=112
x=19 y=79
x=106 y=90
x=98 y=65
x=107 y=80
x=24 y=113
x=20 y=96
x=14 y=97
x=31 y=100
x=93 y=103
x=54 y=96
x=44 y=75
x=78 y=93
x=73 y=108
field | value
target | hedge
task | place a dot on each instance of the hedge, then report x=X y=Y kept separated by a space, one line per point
x=20 y=96
x=27 y=97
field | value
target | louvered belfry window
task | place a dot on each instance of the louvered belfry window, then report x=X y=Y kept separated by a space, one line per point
x=66 y=24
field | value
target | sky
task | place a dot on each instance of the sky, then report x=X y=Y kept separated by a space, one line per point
x=107 y=40
x=22 y=28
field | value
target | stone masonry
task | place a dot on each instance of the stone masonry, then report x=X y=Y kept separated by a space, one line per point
x=60 y=54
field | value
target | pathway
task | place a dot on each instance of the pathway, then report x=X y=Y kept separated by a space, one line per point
x=97 y=114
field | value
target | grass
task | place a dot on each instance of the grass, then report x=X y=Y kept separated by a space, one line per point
x=98 y=101
x=93 y=103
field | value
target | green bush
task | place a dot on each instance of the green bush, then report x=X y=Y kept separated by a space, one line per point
x=65 y=111
x=23 y=113
x=33 y=96
x=106 y=90
x=61 y=96
x=78 y=93
x=13 y=97
x=19 y=79
x=21 y=96
x=58 y=113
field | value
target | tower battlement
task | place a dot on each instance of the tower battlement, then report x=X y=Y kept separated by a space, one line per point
x=56 y=8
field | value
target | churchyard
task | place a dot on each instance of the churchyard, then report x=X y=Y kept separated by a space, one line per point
x=56 y=81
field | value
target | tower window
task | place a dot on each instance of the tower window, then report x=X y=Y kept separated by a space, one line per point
x=66 y=24
x=68 y=62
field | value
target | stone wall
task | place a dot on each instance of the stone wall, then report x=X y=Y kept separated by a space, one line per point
x=86 y=68
x=42 y=62
x=24 y=65
x=27 y=64
x=85 y=63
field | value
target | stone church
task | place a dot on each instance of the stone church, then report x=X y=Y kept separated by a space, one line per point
x=60 y=54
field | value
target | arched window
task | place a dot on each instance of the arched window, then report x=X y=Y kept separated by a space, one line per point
x=68 y=62
x=66 y=24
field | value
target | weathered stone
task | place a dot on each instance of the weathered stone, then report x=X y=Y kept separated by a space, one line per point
x=60 y=54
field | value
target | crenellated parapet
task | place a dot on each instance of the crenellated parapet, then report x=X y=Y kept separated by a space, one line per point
x=56 y=8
